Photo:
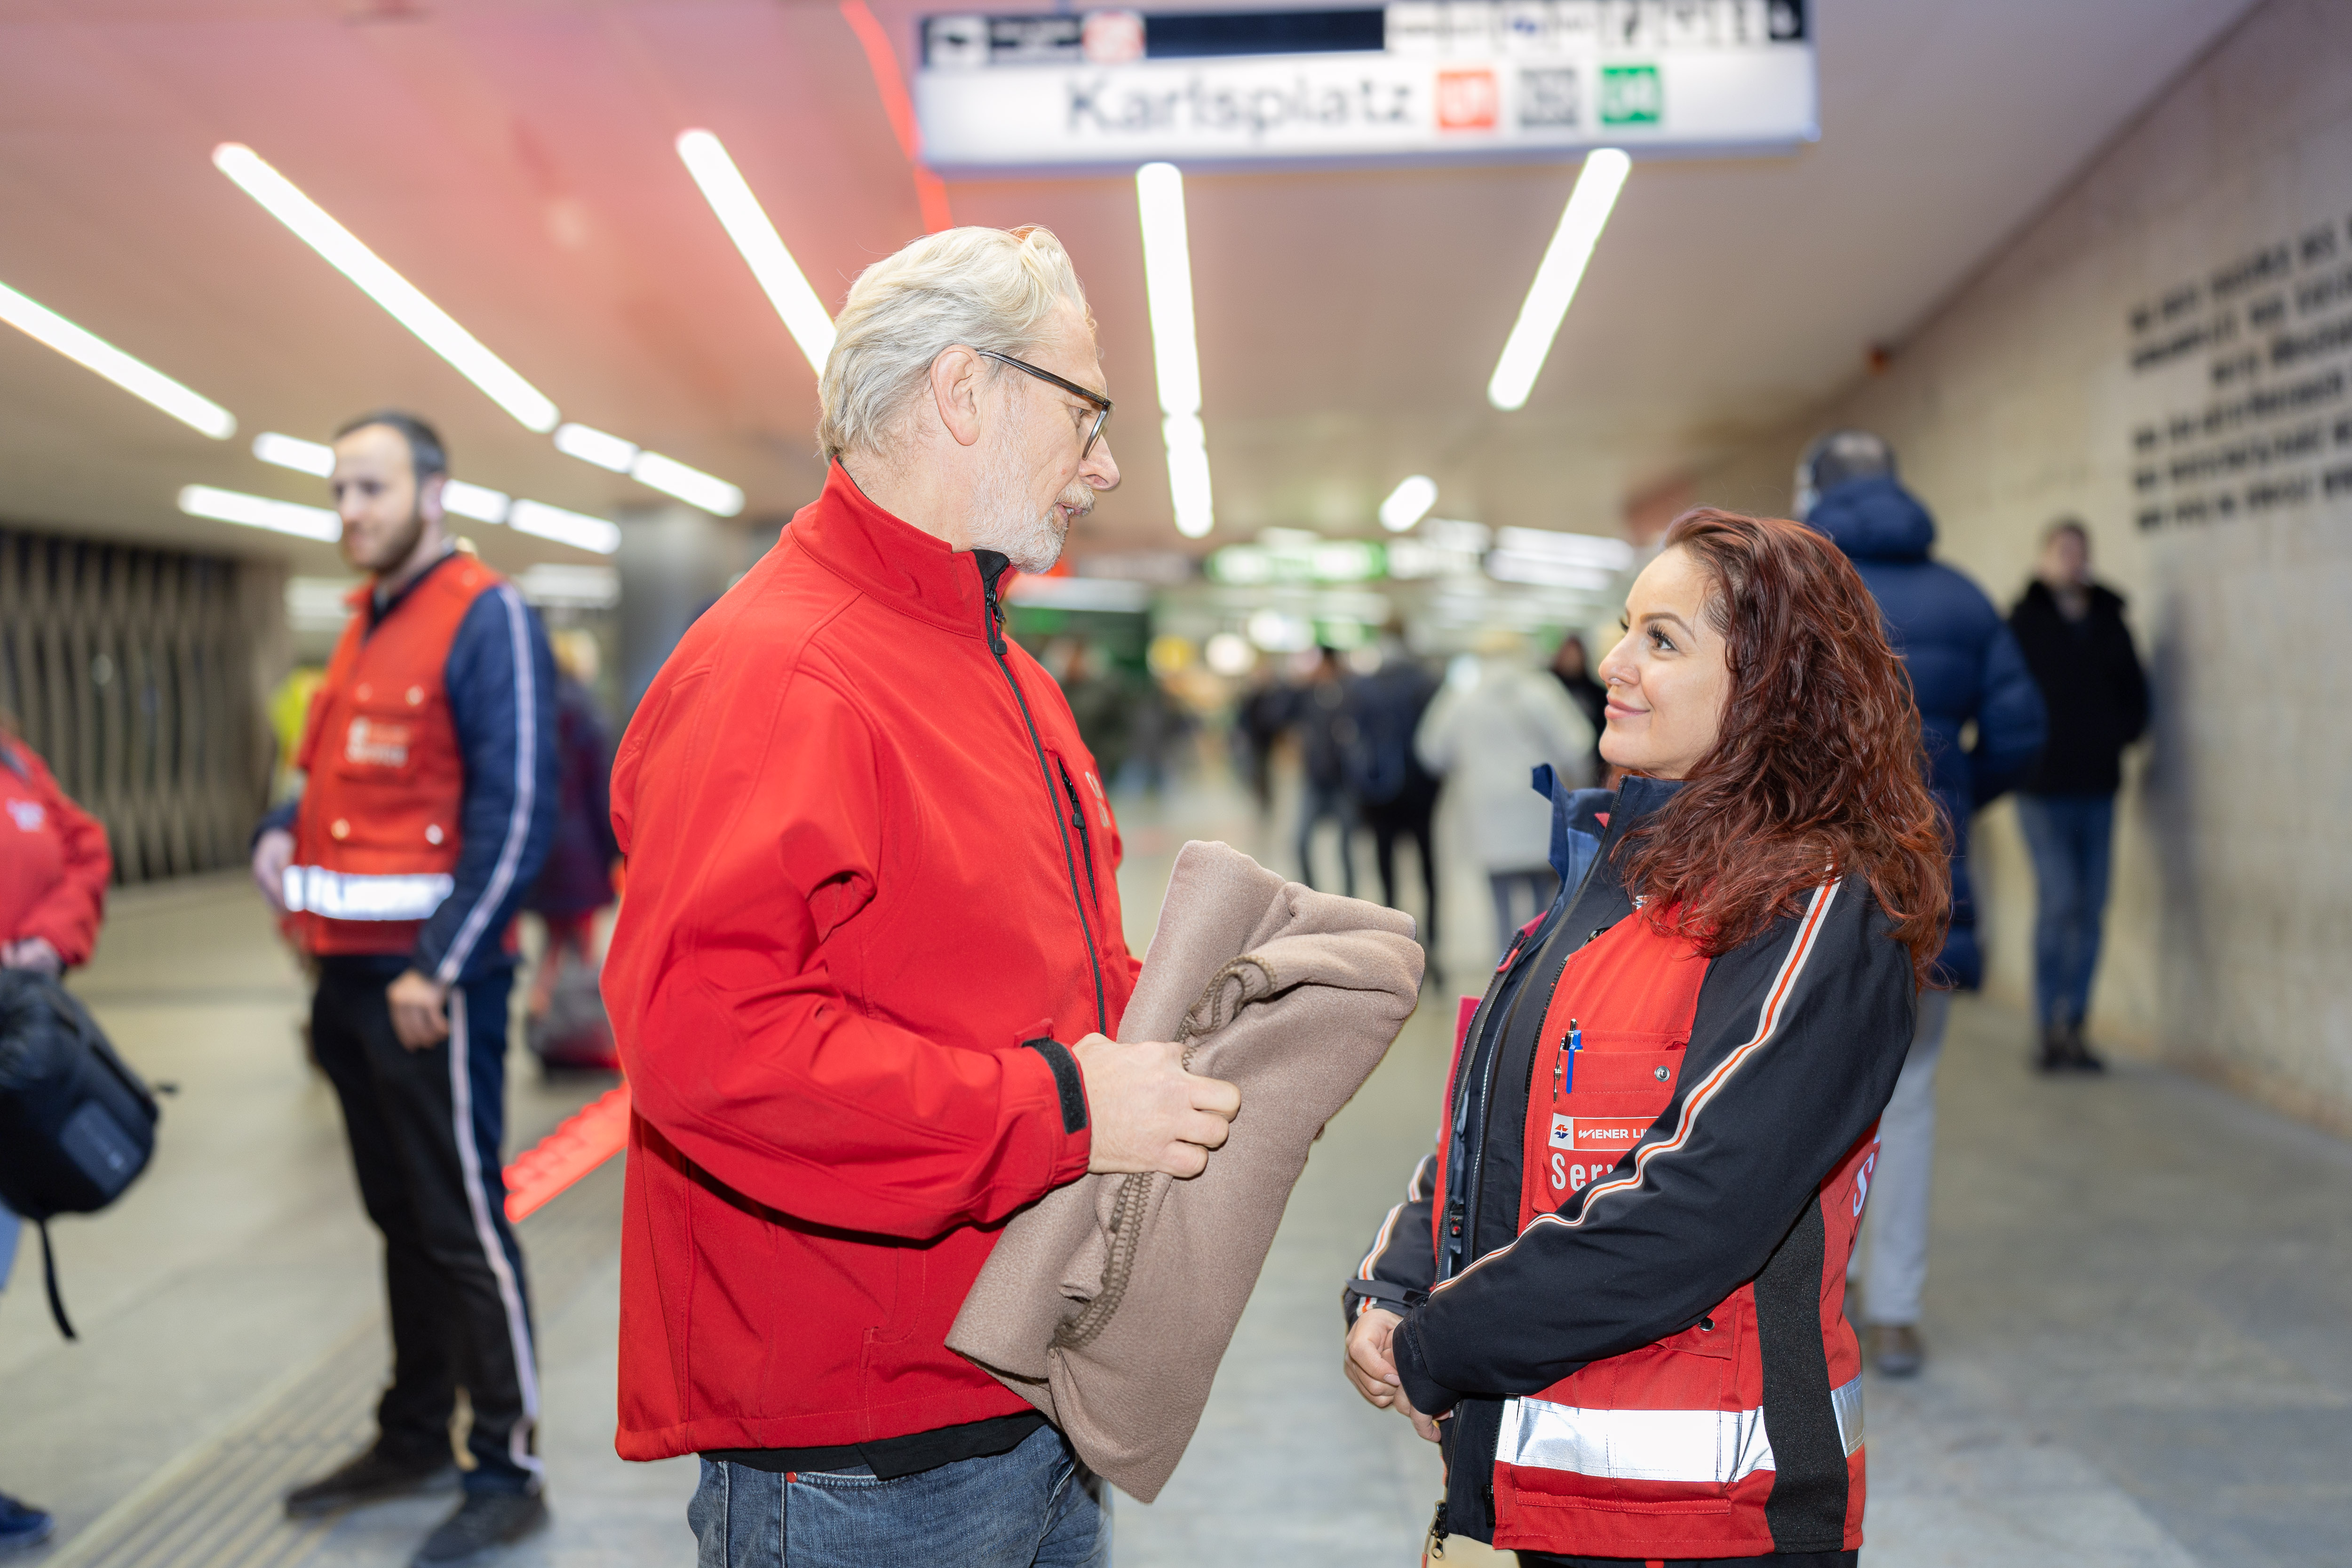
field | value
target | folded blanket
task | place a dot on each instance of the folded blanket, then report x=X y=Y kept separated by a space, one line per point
x=1109 y=1302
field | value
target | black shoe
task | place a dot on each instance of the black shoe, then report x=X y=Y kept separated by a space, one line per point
x=2049 y=1055
x=2076 y=1055
x=483 y=1523
x=22 y=1526
x=374 y=1477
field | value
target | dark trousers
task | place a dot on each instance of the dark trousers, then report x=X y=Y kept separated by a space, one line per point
x=424 y=1127
x=1409 y=817
x=2071 y=838
x=1330 y=800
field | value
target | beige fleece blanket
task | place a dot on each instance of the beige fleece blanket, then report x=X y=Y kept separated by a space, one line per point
x=1109 y=1302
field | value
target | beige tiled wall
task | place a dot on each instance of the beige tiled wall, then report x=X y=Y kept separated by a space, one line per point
x=2231 y=930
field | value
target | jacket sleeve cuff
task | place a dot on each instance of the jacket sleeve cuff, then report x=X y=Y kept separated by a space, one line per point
x=1070 y=1103
x=1428 y=1396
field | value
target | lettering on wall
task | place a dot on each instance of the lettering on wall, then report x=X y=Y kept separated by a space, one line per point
x=2271 y=331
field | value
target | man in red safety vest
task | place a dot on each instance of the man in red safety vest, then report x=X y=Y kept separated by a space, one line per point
x=428 y=806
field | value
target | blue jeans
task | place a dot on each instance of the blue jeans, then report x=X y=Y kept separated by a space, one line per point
x=2071 y=836
x=1036 y=1507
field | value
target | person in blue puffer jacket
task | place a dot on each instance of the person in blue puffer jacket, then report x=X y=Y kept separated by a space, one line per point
x=1965 y=667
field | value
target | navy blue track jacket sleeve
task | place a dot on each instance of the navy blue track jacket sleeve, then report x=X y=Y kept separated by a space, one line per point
x=1793 y=1053
x=500 y=676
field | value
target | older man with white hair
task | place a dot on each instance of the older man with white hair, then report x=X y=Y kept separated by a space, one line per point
x=870 y=957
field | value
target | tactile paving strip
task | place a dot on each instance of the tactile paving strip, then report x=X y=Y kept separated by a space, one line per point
x=219 y=1505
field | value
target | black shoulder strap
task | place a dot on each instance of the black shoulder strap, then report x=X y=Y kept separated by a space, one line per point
x=50 y=1277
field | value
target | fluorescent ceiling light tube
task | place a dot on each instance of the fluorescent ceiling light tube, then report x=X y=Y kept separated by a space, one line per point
x=1581 y=223
x=596 y=447
x=1545 y=570
x=1175 y=355
x=261 y=511
x=91 y=352
x=1188 y=474
x=763 y=249
x=476 y=501
x=689 y=485
x=1408 y=503
x=387 y=288
x=1587 y=549
x=570 y=528
x=293 y=452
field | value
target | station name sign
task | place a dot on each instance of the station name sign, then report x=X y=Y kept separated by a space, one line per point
x=1475 y=80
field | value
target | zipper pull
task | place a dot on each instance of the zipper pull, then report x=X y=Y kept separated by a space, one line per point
x=1435 y=1550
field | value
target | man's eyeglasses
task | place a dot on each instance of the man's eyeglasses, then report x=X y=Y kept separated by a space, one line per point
x=1100 y=403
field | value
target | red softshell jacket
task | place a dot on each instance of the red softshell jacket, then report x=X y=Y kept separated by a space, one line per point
x=868 y=858
x=53 y=862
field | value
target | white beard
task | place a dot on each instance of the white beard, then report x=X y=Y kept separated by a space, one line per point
x=1002 y=520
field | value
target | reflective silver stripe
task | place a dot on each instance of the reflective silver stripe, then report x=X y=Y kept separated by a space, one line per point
x=1711 y=1447
x=348 y=896
x=1846 y=1400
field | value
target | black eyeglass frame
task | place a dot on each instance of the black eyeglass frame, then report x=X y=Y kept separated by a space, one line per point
x=1102 y=403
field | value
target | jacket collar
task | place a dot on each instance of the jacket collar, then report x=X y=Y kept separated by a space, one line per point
x=914 y=572
x=364 y=599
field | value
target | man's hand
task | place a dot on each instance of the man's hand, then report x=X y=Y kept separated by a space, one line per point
x=32 y=952
x=272 y=853
x=418 y=1013
x=1149 y=1113
x=1370 y=1363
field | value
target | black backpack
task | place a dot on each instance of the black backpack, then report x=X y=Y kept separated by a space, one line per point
x=77 y=1125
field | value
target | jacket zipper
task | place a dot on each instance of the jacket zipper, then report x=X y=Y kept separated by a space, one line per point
x=1086 y=839
x=992 y=628
x=1470 y=1130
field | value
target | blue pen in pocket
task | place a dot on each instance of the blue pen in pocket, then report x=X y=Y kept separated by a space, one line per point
x=1563 y=1066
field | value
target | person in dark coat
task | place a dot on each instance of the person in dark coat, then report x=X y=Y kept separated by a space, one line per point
x=1395 y=796
x=2074 y=639
x=1573 y=666
x=1965 y=667
x=1325 y=731
x=576 y=883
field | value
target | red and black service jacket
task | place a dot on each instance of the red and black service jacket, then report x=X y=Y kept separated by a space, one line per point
x=1622 y=1270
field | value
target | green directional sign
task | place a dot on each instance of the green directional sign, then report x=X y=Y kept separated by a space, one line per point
x=1631 y=95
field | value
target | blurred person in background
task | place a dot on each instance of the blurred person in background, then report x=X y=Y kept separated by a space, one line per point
x=1571 y=666
x=1325 y=731
x=1964 y=668
x=1258 y=721
x=1485 y=737
x=428 y=804
x=1395 y=796
x=576 y=884
x=1100 y=700
x=54 y=868
x=2072 y=633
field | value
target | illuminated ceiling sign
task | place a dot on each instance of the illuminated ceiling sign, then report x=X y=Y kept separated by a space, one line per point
x=1471 y=81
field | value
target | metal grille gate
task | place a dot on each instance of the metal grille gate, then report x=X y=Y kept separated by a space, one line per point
x=130 y=670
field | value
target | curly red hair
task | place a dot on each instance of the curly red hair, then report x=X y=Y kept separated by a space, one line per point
x=1816 y=769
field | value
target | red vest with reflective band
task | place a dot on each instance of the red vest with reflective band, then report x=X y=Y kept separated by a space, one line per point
x=1661 y=1452
x=375 y=841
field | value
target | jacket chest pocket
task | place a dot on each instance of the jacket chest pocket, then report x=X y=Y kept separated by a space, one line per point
x=1589 y=1107
x=382 y=732
x=1085 y=807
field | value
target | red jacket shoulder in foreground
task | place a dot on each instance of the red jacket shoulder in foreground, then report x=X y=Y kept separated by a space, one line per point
x=856 y=884
x=55 y=865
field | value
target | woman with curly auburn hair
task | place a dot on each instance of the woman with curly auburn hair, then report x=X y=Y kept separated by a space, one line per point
x=1615 y=1292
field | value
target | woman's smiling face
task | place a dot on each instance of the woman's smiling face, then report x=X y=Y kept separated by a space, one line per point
x=1668 y=676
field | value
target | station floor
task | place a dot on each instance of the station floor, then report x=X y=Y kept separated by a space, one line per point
x=2135 y=1320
